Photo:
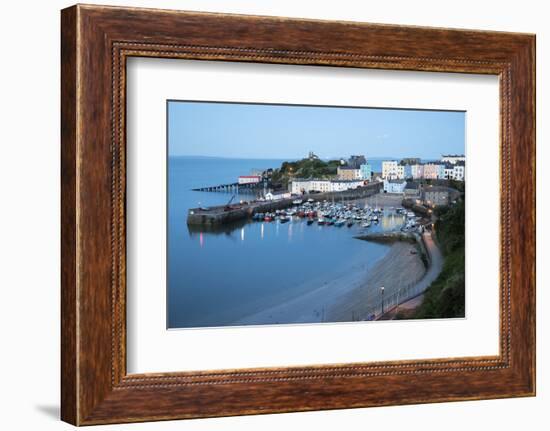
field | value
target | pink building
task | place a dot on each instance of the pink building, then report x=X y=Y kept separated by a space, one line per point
x=417 y=172
x=431 y=171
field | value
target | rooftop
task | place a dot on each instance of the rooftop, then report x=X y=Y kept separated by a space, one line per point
x=440 y=189
x=412 y=185
x=303 y=180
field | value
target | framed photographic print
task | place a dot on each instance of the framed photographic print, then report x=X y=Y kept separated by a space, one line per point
x=269 y=215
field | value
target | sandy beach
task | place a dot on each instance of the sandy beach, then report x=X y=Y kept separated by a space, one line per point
x=347 y=297
x=394 y=271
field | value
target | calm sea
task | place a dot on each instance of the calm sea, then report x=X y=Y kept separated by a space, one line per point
x=217 y=278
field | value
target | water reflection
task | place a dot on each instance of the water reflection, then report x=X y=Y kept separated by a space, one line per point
x=247 y=230
x=219 y=274
x=290 y=232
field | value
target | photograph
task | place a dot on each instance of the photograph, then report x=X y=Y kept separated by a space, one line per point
x=304 y=214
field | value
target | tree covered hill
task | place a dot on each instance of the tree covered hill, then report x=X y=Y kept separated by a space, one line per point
x=305 y=168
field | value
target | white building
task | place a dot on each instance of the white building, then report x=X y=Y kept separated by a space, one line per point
x=458 y=172
x=394 y=186
x=453 y=158
x=299 y=187
x=249 y=179
x=342 y=185
x=392 y=170
x=322 y=186
x=276 y=196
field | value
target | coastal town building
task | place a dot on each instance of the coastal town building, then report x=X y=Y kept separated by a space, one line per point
x=342 y=185
x=412 y=189
x=348 y=173
x=454 y=171
x=441 y=171
x=448 y=171
x=356 y=161
x=278 y=195
x=431 y=171
x=394 y=186
x=450 y=167
x=366 y=171
x=453 y=158
x=458 y=172
x=249 y=179
x=417 y=171
x=302 y=186
x=392 y=170
x=439 y=195
x=407 y=171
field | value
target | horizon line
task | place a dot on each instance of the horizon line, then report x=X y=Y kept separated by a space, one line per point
x=200 y=156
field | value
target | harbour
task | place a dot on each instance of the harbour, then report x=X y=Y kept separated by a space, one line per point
x=333 y=231
x=290 y=267
x=230 y=212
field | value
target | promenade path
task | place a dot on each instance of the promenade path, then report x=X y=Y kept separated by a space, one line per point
x=432 y=273
x=436 y=262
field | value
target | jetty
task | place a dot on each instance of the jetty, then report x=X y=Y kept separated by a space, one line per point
x=230 y=187
x=219 y=215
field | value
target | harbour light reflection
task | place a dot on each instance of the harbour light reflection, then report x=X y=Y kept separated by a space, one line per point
x=289 y=232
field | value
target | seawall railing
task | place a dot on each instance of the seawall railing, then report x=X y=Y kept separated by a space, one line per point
x=411 y=290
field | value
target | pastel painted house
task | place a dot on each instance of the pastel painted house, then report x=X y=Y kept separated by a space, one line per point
x=394 y=186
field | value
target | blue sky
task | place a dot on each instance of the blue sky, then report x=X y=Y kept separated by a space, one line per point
x=291 y=131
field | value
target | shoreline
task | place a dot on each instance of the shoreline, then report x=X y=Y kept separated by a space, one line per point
x=393 y=272
x=347 y=297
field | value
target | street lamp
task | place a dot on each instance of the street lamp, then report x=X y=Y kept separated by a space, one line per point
x=382 y=293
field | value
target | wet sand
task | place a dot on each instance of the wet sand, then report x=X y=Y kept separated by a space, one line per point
x=348 y=296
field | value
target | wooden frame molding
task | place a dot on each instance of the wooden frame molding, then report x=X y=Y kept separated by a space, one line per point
x=95 y=43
